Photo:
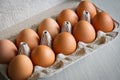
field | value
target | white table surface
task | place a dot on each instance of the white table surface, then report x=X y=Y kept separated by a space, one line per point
x=102 y=64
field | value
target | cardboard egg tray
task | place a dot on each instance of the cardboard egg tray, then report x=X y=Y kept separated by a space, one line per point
x=62 y=62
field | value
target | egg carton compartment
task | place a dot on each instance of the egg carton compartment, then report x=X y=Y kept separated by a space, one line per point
x=64 y=61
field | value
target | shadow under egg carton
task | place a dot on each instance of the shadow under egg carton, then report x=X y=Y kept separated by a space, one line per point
x=83 y=50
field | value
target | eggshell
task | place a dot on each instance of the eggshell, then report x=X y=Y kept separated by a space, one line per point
x=43 y=56
x=87 y=6
x=29 y=36
x=84 y=31
x=102 y=21
x=20 y=68
x=67 y=15
x=64 y=43
x=8 y=50
x=50 y=25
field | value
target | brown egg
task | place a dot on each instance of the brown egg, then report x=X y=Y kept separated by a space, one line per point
x=64 y=43
x=8 y=50
x=84 y=31
x=67 y=15
x=43 y=56
x=29 y=36
x=88 y=6
x=20 y=68
x=102 y=21
x=50 y=25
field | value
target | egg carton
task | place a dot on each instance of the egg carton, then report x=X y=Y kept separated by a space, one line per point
x=64 y=61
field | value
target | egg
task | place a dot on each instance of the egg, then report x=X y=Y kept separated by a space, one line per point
x=64 y=43
x=102 y=21
x=50 y=25
x=84 y=31
x=43 y=56
x=29 y=36
x=20 y=68
x=87 y=6
x=67 y=15
x=8 y=50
